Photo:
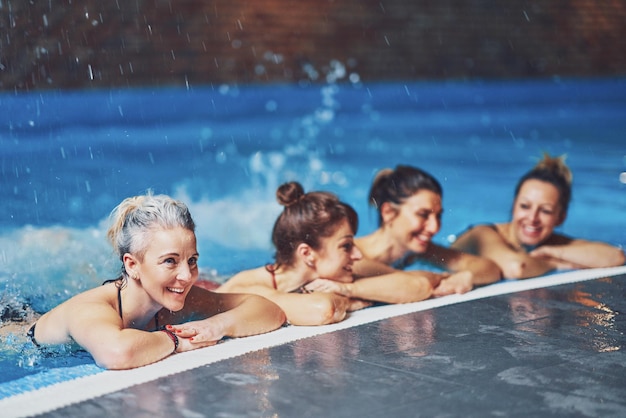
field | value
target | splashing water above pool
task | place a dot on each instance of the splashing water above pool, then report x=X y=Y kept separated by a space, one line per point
x=69 y=157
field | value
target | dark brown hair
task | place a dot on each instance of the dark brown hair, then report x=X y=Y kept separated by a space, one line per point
x=307 y=218
x=395 y=186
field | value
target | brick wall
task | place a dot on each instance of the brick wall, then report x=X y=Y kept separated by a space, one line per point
x=104 y=43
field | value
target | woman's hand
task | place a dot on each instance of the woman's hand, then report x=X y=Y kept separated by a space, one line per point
x=460 y=282
x=198 y=334
x=327 y=286
x=554 y=255
x=356 y=304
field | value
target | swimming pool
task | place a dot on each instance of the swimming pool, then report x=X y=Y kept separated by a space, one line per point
x=69 y=157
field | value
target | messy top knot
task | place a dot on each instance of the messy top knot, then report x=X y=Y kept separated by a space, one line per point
x=289 y=193
x=555 y=165
x=397 y=185
x=307 y=218
x=552 y=170
x=136 y=217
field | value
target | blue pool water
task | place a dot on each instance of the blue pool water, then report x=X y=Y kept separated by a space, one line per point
x=67 y=158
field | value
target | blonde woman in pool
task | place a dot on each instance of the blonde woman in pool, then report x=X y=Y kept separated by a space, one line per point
x=409 y=207
x=527 y=246
x=118 y=323
x=312 y=278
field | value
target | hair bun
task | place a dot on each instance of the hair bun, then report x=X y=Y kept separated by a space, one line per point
x=289 y=193
x=383 y=175
x=556 y=165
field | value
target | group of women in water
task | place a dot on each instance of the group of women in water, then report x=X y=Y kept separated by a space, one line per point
x=321 y=271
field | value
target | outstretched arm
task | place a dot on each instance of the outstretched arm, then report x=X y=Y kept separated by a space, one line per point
x=301 y=309
x=226 y=315
x=370 y=268
x=580 y=253
x=484 y=241
x=395 y=287
x=312 y=309
x=98 y=328
x=481 y=269
x=441 y=284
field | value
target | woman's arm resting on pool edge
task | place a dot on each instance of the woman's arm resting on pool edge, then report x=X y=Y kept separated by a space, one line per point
x=301 y=309
x=482 y=269
x=98 y=329
x=304 y=309
x=484 y=241
x=580 y=253
x=311 y=309
x=396 y=287
x=227 y=315
x=458 y=282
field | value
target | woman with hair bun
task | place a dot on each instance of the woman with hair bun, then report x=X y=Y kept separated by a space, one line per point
x=527 y=246
x=119 y=322
x=409 y=205
x=312 y=277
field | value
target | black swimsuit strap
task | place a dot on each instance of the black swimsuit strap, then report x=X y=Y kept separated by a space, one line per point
x=119 y=302
x=31 y=334
x=31 y=331
x=119 y=294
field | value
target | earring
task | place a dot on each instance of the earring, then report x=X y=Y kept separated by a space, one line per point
x=309 y=263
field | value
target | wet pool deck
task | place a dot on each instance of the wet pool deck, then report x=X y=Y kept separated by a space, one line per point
x=556 y=351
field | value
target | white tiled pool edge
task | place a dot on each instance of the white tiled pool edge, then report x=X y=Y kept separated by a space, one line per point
x=80 y=389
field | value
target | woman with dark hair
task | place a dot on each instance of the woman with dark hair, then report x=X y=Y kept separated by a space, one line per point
x=527 y=246
x=141 y=317
x=409 y=205
x=315 y=254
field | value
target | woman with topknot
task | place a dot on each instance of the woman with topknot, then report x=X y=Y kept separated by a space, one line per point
x=527 y=246
x=312 y=278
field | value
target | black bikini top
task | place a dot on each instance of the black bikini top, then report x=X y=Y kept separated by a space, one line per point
x=119 y=300
x=31 y=331
x=119 y=293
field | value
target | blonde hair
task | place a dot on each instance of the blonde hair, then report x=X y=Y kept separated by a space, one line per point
x=552 y=170
x=133 y=220
x=556 y=165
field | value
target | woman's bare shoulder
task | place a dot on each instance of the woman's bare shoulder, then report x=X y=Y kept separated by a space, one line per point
x=104 y=295
x=477 y=233
x=247 y=278
x=559 y=239
x=488 y=228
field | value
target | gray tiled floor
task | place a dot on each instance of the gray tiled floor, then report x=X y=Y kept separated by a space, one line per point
x=543 y=353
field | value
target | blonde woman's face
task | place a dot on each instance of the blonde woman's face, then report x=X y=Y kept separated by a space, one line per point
x=416 y=221
x=169 y=267
x=536 y=212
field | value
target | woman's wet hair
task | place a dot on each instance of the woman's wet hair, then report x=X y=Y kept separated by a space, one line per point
x=397 y=185
x=554 y=171
x=133 y=221
x=307 y=218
